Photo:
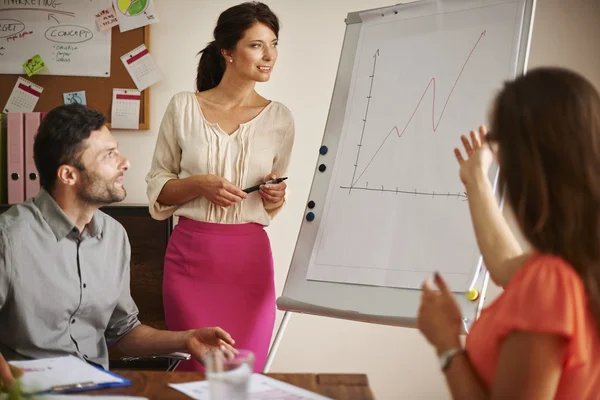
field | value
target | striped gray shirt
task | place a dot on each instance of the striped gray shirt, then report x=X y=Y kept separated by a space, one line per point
x=61 y=291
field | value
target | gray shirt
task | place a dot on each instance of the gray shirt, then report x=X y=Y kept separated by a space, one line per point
x=61 y=291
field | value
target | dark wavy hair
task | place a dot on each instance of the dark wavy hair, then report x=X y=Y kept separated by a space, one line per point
x=230 y=28
x=59 y=139
x=547 y=127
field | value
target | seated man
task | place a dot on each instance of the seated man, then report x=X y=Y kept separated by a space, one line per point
x=64 y=265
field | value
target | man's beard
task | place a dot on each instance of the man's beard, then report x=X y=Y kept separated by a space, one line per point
x=96 y=190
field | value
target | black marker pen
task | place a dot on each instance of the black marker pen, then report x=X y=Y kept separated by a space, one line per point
x=271 y=182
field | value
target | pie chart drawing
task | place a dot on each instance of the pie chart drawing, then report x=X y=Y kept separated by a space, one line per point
x=132 y=7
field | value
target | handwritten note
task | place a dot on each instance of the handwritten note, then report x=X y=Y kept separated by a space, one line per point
x=64 y=33
x=63 y=53
x=24 y=96
x=106 y=19
x=75 y=97
x=141 y=66
x=125 y=109
x=19 y=36
x=34 y=65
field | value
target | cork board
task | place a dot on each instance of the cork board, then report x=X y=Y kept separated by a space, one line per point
x=98 y=90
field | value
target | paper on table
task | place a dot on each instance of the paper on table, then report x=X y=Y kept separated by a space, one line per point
x=261 y=388
x=44 y=374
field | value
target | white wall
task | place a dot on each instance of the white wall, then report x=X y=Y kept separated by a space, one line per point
x=398 y=361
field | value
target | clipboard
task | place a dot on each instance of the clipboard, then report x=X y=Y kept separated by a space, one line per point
x=66 y=374
x=83 y=386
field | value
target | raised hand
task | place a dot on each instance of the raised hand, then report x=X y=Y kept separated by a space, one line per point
x=478 y=159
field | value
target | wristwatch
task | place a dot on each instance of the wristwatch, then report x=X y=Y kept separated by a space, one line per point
x=446 y=357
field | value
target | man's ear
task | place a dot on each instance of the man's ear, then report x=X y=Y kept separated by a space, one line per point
x=67 y=174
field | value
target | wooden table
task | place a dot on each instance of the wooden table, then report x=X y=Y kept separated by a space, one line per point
x=153 y=384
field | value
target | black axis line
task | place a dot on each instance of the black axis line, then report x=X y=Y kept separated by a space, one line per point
x=462 y=195
x=372 y=76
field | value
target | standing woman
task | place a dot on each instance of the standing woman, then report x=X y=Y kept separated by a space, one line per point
x=211 y=144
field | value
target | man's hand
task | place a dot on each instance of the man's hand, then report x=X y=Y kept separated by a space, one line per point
x=201 y=341
x=8 y=373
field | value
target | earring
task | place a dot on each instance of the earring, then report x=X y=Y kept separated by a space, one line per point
x=231 y=60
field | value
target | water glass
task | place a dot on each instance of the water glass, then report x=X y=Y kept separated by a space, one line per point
x=229 y=376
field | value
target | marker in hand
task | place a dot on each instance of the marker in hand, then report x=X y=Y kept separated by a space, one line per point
x=271 y=182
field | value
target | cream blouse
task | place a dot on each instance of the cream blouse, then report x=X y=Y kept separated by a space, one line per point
x=188 y=144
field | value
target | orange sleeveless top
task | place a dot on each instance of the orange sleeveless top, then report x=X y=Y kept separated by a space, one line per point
x=545 y=296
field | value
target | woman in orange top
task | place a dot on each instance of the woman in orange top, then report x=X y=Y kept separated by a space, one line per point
x=540 y=339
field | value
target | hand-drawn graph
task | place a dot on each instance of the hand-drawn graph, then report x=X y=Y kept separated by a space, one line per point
x=393 y=207
x=434 y=127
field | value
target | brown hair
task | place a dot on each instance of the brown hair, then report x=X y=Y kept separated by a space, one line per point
x=230 y=28
x=547 y=127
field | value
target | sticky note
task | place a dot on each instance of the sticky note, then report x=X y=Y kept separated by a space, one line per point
x=75 y=97
x=34 y=65
x=106 y=19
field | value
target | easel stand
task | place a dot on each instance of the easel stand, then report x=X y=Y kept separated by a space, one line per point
x=278 y=337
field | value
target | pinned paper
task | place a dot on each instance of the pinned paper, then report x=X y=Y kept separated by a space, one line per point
x=134 y=14
x=106 y=19
x=75 y=97
x=34 y=65
x=24 y=96
x=125 y=109
x=142 y=68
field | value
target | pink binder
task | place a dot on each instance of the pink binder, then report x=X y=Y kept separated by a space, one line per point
x=32 y=180
x=14 y=157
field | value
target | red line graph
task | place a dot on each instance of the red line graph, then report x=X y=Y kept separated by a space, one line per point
x=434 y=125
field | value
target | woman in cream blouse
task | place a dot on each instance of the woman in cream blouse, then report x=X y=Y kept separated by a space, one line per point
x=211 y=144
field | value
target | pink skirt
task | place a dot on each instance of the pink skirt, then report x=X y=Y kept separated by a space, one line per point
x=221 y=275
